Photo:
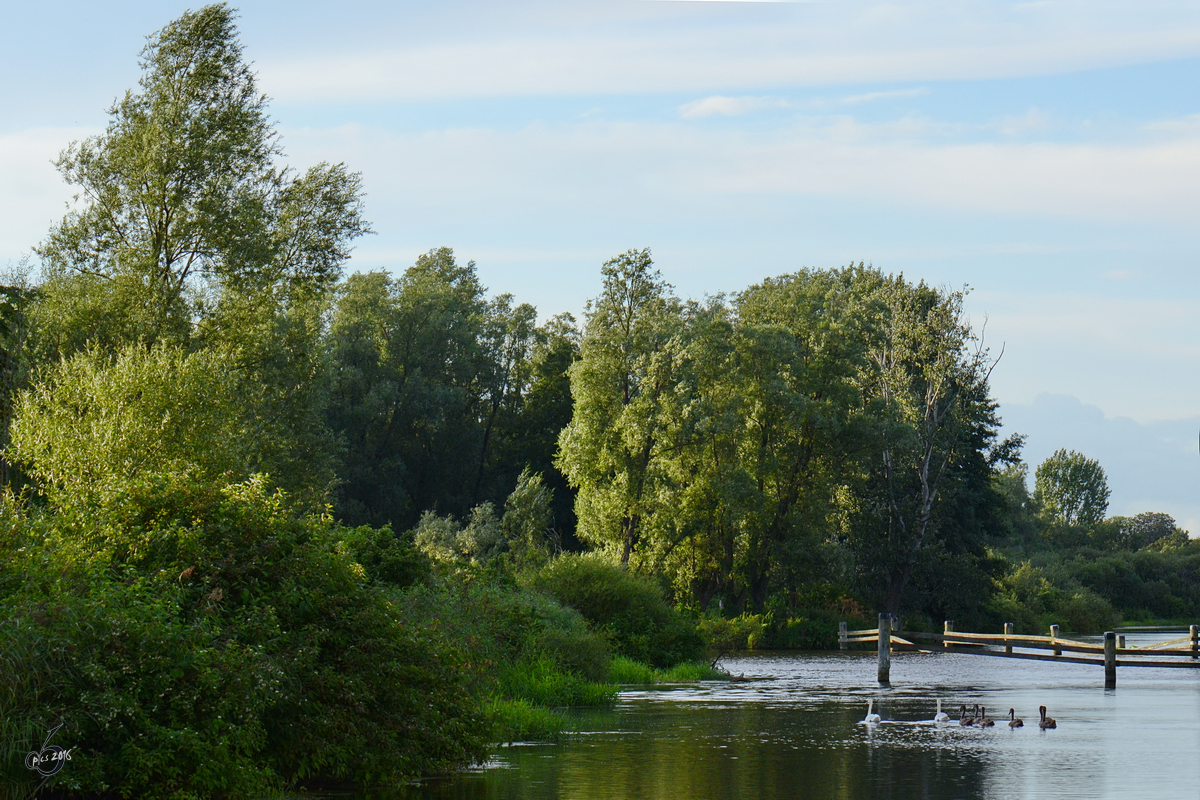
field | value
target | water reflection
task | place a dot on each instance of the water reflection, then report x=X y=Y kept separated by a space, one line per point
x=794 y=733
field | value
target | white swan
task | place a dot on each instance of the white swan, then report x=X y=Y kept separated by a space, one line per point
x=871 y=718
x=941 y=716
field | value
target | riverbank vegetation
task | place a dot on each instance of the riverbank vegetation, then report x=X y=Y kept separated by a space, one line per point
x=268 y=525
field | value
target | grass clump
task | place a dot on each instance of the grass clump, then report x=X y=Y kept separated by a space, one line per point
x=522 y=721
x=627 y=671
x=544 y=683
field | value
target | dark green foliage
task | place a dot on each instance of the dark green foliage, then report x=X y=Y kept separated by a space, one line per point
x=209 y=640
x=387 y=557
x=817 y=630
x=627 y=608
x=441 y=397
x=502 y=625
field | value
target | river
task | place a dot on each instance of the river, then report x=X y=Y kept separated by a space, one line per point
x=794 y=731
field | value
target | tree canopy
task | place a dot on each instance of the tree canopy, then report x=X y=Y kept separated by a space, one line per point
x=1072 y=489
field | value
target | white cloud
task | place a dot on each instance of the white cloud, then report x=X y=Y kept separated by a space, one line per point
x=1031 y=121
x=720 y=105
x=729 y=106
x=696 y=50
x=869 y=97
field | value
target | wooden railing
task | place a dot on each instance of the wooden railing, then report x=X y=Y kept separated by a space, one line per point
x=1110 y=654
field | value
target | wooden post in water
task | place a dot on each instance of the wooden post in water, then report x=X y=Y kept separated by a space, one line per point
x=1195 y=642
x=1110 y=660
x=1008 y=631
x=1054 y=639
x=949 y=628
x=1120 y=641
x=885 y=649
x=842 y=636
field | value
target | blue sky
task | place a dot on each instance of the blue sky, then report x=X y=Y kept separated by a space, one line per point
x=1047 y=154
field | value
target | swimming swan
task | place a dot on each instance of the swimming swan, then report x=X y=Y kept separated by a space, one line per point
x=941 y=716
x=983 y=720
x=963 y=719
x=1046 y=722
x=1013 y=722
x=871 y=718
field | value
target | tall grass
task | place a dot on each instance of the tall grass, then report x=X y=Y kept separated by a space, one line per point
x=543 y=683
x=627 y=671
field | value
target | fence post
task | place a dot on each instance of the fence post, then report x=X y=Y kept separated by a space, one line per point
x=842 y=636
x=1120 y=641
x=1054 y=639
x=1008 y=631
x=885 y=648
x=948 y=629
x=1110 y=660
x=1195 y=642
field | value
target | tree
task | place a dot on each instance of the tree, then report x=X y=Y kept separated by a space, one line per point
x=609 y=450
x=95 y=424
x=407 y=360
x=1151 y=527
x=927 y=390
x=180 y=199
x=1071 y=489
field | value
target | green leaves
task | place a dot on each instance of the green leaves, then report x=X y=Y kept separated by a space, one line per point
x=1071 y=489
x=181 y=193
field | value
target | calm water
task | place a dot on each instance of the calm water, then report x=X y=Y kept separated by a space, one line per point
x=793 y=732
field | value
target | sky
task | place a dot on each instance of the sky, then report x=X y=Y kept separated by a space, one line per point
x=1044 y=154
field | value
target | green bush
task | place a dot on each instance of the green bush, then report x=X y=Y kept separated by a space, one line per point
x=628 y=609
x=200 y=639
x=501 y=625
x=816 y=630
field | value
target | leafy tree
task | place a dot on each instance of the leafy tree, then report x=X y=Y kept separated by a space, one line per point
x=927 y=389
x=1072 y=489
x=96 y=423
x=1149 y=528
x=546 y=408
x=407 y=360
x=619 y=385
x=180 y=193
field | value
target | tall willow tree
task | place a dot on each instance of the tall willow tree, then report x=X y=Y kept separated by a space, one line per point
x=181 y=194
x=611 y=449
x=408 y=356
x=186 y=232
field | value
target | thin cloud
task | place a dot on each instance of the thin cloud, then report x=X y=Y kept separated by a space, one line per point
x=869 y=97
x=724 y=106
x=699 y=53
x=720 y=106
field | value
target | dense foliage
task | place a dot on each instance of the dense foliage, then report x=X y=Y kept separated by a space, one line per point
x=268 y=525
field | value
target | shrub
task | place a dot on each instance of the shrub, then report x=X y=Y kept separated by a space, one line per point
x=628 y=609
x=200 y=639
x=817 y=630
x=722 y=635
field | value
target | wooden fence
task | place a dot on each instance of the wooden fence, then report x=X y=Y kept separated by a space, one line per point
x=1112 y=653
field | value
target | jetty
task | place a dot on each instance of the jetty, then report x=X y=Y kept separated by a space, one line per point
x=1110 y=654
